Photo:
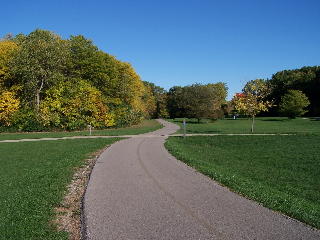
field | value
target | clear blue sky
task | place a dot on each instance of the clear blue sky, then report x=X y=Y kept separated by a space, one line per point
x=180 y=42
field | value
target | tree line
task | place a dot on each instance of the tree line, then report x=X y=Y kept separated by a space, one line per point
x=49 y=82
x=305 y=80
x=288 y=93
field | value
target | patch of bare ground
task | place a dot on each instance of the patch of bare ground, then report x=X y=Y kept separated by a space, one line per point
x=68 y=214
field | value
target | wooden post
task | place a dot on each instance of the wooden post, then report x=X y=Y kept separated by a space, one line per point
x=184 y=128
x=90 y=129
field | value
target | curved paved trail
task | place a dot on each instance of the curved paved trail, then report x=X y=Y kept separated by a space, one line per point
x=137 y=190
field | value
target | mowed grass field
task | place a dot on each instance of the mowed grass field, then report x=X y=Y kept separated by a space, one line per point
x=243 y=125
x=143 y=127
x=34 y=176
x=281 y=172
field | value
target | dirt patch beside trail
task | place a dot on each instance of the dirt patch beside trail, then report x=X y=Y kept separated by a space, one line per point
x=68 y=214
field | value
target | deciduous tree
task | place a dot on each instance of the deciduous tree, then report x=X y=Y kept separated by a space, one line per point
x=196 y=101
x=253 y=99
x=306 y=79
x=39 y=64
x=7 y=49
x=293 y=104
x=9 y=105
x=74 y=105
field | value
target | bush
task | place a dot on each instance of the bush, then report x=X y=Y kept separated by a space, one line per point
x=26 y=120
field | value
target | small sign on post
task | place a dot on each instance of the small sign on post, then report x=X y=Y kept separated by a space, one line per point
x=90 y=129
x=184 y=128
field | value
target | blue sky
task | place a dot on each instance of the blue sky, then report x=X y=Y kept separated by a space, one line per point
x=180 y=42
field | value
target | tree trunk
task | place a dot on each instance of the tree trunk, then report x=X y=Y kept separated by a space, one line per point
x=37 y=100
x=252 y=124
x=38 y=96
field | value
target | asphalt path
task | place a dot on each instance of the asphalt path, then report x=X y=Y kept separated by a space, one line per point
x=147 y=135
x=137 y=190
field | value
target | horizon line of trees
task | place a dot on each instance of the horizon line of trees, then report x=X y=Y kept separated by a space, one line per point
x=289 y=93
x=47 y=82
x=305 y=79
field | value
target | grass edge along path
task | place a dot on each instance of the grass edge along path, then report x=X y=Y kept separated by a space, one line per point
x=34 y=178
x=69 y=215
x=143 y=127
x=261 y=168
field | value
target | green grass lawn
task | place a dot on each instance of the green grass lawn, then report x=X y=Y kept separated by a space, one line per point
x=262 y=125
x=145 y=126
x=34 y=176
x=281 y=172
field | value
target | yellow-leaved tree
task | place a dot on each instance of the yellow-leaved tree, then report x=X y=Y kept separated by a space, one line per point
x=74 y=105
x=253 y=99
x=9 y=105
x=7 y=49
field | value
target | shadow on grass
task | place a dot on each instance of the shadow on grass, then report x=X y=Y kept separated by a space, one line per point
x=195 y=121
x=315 y=119
x=274 y=120
x=207 y=131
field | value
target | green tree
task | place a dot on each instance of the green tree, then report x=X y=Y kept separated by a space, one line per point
x=203 y=101
x=196 y=101
x=40 y=63
x=74 y=105
x=253 y=99
x=293 y=104
x=74 y=83
x=118 y=82
x=175 y=103
x=160 y=97
x=306 y=79
x=7 y=50
x=87 y=62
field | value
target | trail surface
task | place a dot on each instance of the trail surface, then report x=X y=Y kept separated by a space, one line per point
x=137 y=190
x=141 y=136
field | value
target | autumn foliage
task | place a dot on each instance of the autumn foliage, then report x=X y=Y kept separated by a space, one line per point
x=47 y=82
x=253 y=100
x=9 y=105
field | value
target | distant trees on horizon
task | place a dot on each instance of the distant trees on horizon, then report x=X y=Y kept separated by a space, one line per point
x=197 y=101
x=305 y=80
x=47 y=82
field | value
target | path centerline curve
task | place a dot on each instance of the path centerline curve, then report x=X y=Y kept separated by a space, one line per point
x=137 y=190
x=185 y=208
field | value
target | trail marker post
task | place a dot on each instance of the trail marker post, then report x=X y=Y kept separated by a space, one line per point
x=90 y=129
x=184 y=128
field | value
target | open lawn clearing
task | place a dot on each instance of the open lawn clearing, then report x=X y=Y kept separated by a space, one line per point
x=33 y=180
x=145 y=126
x=243 y=125
x=281 y=172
